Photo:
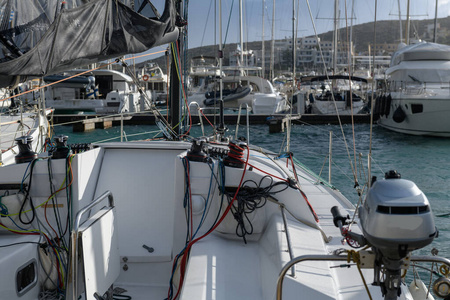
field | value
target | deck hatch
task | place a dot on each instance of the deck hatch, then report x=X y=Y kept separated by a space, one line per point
x=26 y=277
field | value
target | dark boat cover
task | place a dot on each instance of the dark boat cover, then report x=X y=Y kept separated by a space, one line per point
x=43 y=37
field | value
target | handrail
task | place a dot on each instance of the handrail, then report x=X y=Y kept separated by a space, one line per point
x=324 y=257
x=74 y=236
x=199 y=109
x=288 y=238
x=416 y=88
x=239 y=119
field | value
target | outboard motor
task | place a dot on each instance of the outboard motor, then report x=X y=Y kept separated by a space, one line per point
x=396 y=219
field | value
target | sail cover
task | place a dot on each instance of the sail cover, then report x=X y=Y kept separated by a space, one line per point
x=43 y=37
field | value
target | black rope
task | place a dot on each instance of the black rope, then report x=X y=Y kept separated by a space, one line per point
x=251 y=196
x=27 y=196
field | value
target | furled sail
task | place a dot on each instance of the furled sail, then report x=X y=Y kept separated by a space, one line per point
x=43 y=37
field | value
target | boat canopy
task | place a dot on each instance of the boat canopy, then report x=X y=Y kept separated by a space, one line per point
x=421 y=51
x=44 y=37
x=333 y=77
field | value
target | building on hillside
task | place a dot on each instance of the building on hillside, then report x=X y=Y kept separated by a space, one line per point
x=382 y=49
x=313 y=54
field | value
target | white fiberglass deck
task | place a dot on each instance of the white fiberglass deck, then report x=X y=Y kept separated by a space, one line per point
x=221 y=266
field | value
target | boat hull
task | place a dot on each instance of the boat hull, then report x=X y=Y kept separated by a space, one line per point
x=426 y=116
x=336 y=107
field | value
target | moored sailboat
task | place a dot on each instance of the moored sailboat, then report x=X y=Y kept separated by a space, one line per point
x=99 y=91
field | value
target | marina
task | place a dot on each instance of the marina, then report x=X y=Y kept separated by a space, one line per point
x=236 y=175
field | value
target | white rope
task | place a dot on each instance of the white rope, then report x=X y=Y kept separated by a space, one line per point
x=369 y=167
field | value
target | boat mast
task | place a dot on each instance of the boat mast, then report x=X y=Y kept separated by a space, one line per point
x=352 y=65
x=400 y=20
x=435 y=22
x=294 y=45
x=221 y=129
x=335 y=38
x=407 y=23
x=272 y=46
x=241 y=36
x=263 y=51
x=175 y=102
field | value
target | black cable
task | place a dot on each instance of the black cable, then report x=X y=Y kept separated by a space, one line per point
x=19 y=243
x=221 y=186
x=54 y=200
x=187 y=196
x=22 y=207
x=250 y=197
x=121 y=297
x=68 y=195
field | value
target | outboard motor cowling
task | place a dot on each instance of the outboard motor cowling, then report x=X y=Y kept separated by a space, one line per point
x=396 y=217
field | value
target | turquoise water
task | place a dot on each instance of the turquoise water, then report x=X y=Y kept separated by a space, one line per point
x=423 y=160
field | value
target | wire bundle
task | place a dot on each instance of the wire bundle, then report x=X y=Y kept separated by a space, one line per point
x=252 y=195
x=54 y=246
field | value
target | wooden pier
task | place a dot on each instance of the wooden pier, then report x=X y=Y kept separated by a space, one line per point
x=87 y=122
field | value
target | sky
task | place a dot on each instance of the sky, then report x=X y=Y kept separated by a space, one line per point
x=202 y=23
x=201 y=17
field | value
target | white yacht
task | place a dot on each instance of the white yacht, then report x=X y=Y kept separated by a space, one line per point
x=203 y=71
x=155 y=82
x=416 y=98
x=241 y=91
x=101 y=91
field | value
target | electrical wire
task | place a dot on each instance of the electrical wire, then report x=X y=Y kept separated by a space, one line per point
x=205 y=211
x=186 y=251
x=27 y=196
x=251 y=196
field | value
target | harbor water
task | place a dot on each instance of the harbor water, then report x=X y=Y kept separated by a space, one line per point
x=423 y=160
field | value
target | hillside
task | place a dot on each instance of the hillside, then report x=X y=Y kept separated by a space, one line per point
x=363 y=35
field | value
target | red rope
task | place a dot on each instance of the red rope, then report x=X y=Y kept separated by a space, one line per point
x=189 y=246
x=201 y=111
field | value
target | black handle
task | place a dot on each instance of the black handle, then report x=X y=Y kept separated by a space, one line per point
x=338 y=219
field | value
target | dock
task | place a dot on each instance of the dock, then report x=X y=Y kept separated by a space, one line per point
x=88 y=122
x=102 y=122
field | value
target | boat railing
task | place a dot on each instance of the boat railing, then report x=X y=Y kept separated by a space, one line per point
x=239 y=119
x=75 y=235
x=336 y=257
x=415 y=87
x=199 y=111
x=288 y=238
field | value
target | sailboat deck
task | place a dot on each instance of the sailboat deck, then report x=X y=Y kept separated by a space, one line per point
x=221 y=267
